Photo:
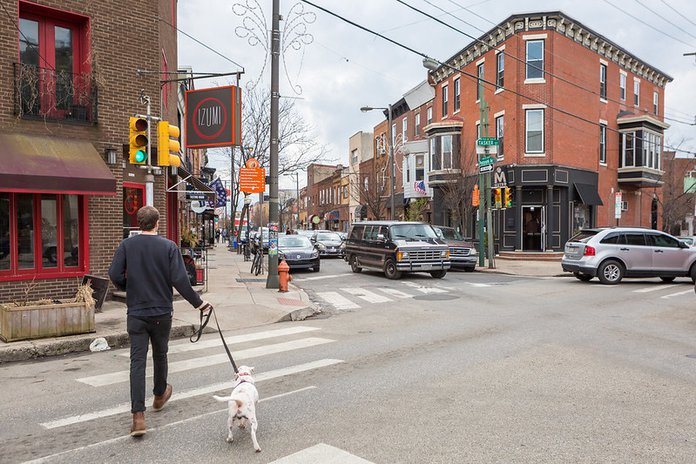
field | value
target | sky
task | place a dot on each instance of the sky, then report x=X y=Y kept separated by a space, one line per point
x=337 y=68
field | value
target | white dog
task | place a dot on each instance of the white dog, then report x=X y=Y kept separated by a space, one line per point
x=242 y=404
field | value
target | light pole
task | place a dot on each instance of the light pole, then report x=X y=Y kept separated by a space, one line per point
x=273 y=205
x=365 y=109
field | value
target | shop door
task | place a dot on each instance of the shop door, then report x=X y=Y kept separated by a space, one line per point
x=533 y=229
x=133 y=200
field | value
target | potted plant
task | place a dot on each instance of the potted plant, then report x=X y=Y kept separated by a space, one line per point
x=189 y=239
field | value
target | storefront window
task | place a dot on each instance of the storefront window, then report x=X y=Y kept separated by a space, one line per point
x=133 y=200
x=25 y=227
x=5 y=248
x=49 y=232
x=71 y=231
x=581 y=217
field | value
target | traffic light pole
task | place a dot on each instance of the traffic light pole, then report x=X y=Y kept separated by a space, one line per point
x=485 y=192
x=273 y=206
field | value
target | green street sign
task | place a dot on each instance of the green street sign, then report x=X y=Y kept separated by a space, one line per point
x=487 y=161
x=487 y=141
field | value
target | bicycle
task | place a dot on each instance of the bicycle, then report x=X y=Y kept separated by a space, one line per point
x=258 y=265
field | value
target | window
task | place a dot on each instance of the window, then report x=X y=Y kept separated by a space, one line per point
x=652 y=149
x=457 y=94
x=635 y=239
x=404 y=130
x=500 y=70
x=407 y=170
x=354 y=156
x=628 y=149
x=435 y=164
x=444 y=100
x=446 y=152
x=603 y=81
x=393 y=135
x=602 y=143
x=40 y=235
x=535 y=59
x=655 y=102
x=660 y=240
x=429 y=115
x=534 y=140
x=478 y=130
x=500 y=135
x=622 y=86
x=416 y=125
x=53 y=57
x=479 y=82
x=420 y=167
x=636 y=92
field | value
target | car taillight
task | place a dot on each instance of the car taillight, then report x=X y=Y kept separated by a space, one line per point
x=589 y=251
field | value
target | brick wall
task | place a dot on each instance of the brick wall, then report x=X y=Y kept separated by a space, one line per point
x=123 y=36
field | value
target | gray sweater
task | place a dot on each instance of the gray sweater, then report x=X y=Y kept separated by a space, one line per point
x=147 y=267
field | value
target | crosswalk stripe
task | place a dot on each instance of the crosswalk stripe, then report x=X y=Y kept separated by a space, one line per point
x=213 y=342
x=179 y=366
x=321 y=454
x=328 y=276
x=339 y=301
x=395 y=293
x=125 y=407
x=367 y=295
x=678 y=293
x=653 y=288
x=423 y=289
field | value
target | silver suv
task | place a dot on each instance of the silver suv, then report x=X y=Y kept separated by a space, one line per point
x=614 y=253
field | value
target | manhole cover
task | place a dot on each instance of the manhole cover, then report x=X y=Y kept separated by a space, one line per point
x=240 y=279
x=435 y=297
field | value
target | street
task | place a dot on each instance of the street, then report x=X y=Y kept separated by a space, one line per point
x=475 y=367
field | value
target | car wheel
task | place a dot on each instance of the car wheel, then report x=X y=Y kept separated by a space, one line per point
x=390 y=270
x=692 y=273
x=610 y=272
x=438 y=274
x=667 y=279
x=583 y=277
x=354 y=264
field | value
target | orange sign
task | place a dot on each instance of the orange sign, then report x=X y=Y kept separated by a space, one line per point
x=252 y=163
x=252 y=180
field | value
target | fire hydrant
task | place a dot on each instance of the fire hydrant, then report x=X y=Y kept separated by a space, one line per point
x=284 y=276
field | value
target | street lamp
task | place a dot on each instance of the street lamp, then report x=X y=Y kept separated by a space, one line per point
x=365 y=109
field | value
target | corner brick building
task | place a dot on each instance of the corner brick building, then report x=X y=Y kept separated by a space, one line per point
x=579 y=119
x=69 y=83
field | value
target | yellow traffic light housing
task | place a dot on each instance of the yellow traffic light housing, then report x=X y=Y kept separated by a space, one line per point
x=168 y=145
x=138 y=140
x=498 y=198
x=508 y=197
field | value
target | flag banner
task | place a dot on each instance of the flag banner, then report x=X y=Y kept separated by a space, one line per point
x=220 y=194
x=419 y=187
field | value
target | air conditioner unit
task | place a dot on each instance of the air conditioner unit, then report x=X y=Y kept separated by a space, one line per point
x=624 y=206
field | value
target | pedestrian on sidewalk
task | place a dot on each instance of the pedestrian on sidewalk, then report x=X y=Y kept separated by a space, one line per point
x=147 y=266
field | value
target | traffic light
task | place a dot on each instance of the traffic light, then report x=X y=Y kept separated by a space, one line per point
x=508 y=197
x=475 y=196
x=168 y=145
x=138 y=140
x=498 y=198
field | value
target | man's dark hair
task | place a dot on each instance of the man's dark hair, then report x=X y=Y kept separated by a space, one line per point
x=147 y=217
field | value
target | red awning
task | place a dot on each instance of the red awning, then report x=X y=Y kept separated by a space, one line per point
x=52 y=165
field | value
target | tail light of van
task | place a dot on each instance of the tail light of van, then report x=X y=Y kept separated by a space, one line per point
x=589 y=251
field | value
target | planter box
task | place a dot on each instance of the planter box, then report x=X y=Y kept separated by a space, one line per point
x=40 y=321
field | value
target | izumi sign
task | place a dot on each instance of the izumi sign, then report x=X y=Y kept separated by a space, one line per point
x=213 y=117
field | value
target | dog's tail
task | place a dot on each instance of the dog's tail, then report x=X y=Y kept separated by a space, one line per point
x=225 y=399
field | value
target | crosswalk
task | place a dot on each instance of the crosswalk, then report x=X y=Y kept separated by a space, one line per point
x=665 y=292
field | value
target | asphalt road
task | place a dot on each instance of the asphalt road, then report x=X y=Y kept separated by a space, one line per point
x=475 y=367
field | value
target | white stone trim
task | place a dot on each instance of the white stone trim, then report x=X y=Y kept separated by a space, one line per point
x=498 y=114
x=604 y=62
x=536 y=80
x=500 y=49
x=535 y=36
x=533 y=106
x=481 y=61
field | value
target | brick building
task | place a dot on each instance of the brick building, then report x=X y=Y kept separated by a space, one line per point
x=579 y=119
x=69 y=82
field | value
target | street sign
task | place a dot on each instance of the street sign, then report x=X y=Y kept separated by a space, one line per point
x=486 y=168
x=487 y=141
x=486 y=160
x=617 y=205
x=486 y=149
x=252 y=180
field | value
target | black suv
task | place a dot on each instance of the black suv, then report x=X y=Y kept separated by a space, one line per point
x=395 y=247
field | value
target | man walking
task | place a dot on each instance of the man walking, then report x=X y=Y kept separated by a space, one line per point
x=147 y=266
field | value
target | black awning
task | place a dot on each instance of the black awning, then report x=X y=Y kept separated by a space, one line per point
x=53 y=165
x=197 y=184
x=588 y=194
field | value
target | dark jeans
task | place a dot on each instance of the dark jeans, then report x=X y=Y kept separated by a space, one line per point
x=142 y=331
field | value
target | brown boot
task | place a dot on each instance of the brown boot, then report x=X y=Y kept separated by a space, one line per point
x=138 y=428
x=161 y=400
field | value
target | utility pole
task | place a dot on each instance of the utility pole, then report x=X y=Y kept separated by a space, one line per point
x=485 y=193
x=273 y=206
x=392 y=139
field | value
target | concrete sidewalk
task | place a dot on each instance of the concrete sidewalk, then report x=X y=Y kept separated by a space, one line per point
x=241 y=300
x=529 y=268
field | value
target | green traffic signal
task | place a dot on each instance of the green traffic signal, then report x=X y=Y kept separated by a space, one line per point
x=140 y=156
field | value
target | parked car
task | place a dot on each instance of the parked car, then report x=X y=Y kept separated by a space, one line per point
x=307 y=233
x=614 y=253
x=329 y=244
x=299 y=252
x=343 y=235
x=394 y=247
x=462 y=252
x=689 y=240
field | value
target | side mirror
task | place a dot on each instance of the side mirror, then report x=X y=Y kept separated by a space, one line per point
x=683 y=244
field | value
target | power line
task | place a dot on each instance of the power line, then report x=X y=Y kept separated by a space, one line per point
x=465 y=73
x=680 y=14
x=648 y=24
x=663 y=18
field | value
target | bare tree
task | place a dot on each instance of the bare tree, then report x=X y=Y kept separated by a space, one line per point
x=456 y=196
x=369 y=188
x=676 y=203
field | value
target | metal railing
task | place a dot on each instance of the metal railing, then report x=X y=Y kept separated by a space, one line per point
x=43 y=93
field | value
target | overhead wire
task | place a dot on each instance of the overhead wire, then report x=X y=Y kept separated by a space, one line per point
x=663 y=18
x=468 y=74
x=649 y=25
x=677 y=12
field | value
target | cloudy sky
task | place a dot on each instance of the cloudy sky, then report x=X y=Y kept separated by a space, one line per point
x=343 y=68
